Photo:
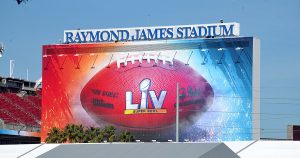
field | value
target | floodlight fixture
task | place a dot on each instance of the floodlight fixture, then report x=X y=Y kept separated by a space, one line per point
x=1 y=50
x=239 y=48
x=203 y=50
x=221 y=49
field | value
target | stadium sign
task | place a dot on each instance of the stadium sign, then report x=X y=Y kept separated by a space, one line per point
x=152 y=33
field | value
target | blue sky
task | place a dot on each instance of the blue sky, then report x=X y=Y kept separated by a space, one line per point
x=25 y=28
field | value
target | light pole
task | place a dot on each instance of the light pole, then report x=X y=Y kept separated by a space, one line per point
x=11 y=68
x=177 y=112
x=27 y=72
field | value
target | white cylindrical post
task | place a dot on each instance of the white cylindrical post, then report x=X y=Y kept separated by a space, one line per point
x=177 y=112
x=27 y=74
x=11 y=68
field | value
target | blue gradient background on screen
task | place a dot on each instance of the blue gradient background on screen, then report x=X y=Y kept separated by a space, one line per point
x=230 y=116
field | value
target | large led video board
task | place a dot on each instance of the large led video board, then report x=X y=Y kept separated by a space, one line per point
x=133 y=86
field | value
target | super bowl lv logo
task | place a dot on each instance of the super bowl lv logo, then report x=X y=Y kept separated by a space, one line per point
x=143 y=106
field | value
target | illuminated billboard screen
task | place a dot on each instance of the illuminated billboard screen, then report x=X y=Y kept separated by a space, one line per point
x=133 y=86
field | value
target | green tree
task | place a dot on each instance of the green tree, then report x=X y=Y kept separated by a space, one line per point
x=74 y=133
x=126 y=136
x=98 y=139
x=93 y=135
x=56 y=135
x=109 y=133
x=78 y=134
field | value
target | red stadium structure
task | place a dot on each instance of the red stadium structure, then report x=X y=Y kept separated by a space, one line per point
x=20 y=111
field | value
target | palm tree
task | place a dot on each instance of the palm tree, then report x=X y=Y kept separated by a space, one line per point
x=109 y=133
x=99 y=138
x=126 y=136
x=93 y=135
x=75 y=133
x=56 y=135
x=78 y=134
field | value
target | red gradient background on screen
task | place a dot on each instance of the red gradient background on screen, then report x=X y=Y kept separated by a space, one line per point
x=65 y=71
x=72 y=71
